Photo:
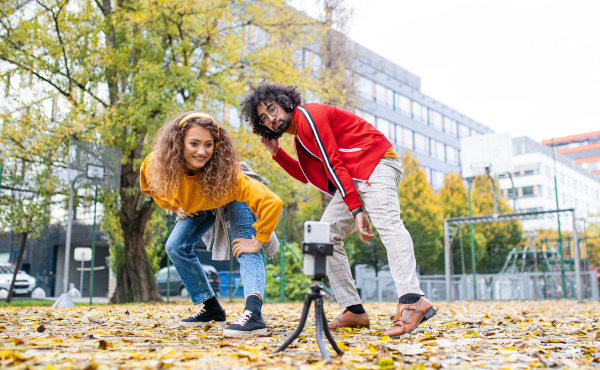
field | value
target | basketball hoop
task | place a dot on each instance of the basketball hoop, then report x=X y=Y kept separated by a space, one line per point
x=480 y=168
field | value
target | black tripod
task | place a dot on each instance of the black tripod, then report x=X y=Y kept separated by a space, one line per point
x=315 y=293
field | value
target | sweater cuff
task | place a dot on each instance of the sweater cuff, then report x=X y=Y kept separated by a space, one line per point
x=276 y=154
x=352 y=201
x=263 y=237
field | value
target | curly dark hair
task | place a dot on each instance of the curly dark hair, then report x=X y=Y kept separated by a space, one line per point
x=287 y=97
x=217 y=178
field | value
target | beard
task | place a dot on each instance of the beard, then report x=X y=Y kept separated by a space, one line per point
x=285 y=125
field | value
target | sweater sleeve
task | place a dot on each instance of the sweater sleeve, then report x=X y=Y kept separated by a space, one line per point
x=321 y=134
x=290 y=165
x=144 y=177
x=261 y=201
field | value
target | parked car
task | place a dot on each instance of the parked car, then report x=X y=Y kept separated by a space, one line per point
x=24 y=284
x=176 y=285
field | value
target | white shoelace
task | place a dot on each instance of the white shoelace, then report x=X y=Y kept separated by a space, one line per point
x=243 y=318
x=200 y=312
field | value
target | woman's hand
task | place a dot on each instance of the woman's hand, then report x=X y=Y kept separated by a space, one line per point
x=182 y=215
x=271 y=145
x=241 y=245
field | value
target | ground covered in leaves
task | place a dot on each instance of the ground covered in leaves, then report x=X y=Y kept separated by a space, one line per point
x=497 y=335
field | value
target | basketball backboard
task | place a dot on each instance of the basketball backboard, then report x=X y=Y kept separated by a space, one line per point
x=491 y=150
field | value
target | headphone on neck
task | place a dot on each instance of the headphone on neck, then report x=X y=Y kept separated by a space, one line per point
x=202 y=115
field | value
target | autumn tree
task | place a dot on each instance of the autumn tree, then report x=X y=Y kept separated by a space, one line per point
x=421 y=214
x=124 y=68
x=453 y=201
x=28 y=180
x=493 y=241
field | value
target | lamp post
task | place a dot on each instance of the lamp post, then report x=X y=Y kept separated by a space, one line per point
x=560 y=247
x=473 y=260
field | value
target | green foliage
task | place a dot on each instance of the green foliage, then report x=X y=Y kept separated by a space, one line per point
x=112 y=229
x=157 y=230
x=593 y=242
x=493 y=241
x=29 y=180
x=296 y=283
x=422 y=215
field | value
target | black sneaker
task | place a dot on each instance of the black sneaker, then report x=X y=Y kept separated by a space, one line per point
x=202 y=317
x=246 y=325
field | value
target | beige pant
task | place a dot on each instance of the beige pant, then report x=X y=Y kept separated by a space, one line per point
x=381 y=205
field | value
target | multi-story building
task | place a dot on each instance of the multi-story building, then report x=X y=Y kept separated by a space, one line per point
x=390 y=98
x=584 y=149
x=533 y=177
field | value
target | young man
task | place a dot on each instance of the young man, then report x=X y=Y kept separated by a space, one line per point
x=343 y=155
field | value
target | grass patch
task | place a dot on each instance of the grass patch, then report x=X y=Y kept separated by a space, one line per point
x=35 y=303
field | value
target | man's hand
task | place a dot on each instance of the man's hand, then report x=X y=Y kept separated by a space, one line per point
x=363 y=223
x=182 y=215
x=271 y=145
x=241 y=245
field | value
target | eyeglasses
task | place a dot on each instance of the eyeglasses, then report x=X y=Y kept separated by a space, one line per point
x=272 y=110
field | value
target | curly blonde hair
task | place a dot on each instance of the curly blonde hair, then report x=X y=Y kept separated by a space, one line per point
x=216 y=179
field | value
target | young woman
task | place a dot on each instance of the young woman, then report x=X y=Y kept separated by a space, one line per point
x=193 y=170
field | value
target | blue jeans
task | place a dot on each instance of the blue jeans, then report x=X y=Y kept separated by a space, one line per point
x=186 y=233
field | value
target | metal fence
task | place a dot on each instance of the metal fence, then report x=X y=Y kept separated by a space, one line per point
x=498 y=287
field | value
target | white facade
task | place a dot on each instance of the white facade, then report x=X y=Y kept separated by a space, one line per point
x=533 y=178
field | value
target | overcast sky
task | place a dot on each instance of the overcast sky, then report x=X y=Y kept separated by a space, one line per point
x=524 y=67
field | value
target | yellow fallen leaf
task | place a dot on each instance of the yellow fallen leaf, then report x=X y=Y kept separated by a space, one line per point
x=385 y=363
x=342 y=345
x=317 y=365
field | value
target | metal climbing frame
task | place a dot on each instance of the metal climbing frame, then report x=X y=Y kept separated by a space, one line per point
x=451 y=225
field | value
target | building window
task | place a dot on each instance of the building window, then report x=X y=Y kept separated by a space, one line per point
x=530 y=169
x=421 y=143
x=437 y=150
x=427 y=172
x=436 y=120
x=463 y=131
x=419 y=112
x=403 y=105
x=404 y=137
x=366 y=88
x=527 y=191
x=312 y=61
x=384 y=96
x=452 y=155
x=385 y=126
x=450 y=126
x=437 y=179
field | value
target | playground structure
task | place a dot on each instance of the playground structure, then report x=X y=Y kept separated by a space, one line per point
x=531 y=259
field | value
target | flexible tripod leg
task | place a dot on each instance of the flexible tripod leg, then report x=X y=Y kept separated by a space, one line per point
x=320 y=312
x=326 y=328
x=301 y=324
x=319 y=330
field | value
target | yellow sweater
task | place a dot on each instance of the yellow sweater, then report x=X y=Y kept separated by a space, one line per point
x=262 y=202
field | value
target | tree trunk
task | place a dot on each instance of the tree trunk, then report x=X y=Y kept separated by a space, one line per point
x=135 y=278
x=18 y=265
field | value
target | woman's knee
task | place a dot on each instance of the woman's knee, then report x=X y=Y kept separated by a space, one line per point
x=173 y=248
x=250 y=258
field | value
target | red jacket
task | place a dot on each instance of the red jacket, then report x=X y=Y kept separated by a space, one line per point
x=333 y=147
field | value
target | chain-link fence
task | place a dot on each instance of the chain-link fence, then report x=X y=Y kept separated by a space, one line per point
x=503 y=257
